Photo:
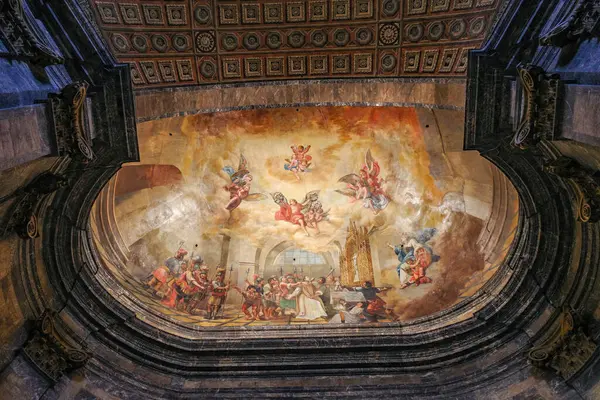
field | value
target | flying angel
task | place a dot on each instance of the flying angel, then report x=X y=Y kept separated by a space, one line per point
x=307 y=213
x=366 y=186
x=239 y=188
x=299 y=162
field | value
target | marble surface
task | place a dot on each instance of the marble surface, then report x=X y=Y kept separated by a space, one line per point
x=480 y=358
x=581 y=114
x=443 y=94
x=24 y=135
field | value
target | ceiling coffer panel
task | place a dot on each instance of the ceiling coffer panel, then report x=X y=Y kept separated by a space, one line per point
x=208 y=42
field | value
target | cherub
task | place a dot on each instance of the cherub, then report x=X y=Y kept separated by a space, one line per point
x=299 y=162
x=366 y=186
x=314 y=215
x=239 y=188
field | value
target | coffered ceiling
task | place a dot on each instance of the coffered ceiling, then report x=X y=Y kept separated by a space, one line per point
x=191 y=42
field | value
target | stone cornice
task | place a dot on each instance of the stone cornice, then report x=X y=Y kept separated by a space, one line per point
x=522 y=300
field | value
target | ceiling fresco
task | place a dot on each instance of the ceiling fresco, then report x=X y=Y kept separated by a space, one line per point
x=172 y=43
x=293 y=216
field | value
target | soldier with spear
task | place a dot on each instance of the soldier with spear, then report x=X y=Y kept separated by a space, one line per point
x=218 y=293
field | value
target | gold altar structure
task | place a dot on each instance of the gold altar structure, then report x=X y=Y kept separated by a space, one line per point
x=356 y=265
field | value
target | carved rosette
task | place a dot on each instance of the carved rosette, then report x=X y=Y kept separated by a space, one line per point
x=67 y=114
x=23 y=220
x=49 y=352
x=565 y=350
x=585 y=183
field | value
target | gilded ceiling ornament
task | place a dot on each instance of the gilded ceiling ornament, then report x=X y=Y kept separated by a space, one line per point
x=184 y=69
x=153 y=14
x=253 y=67
x=390 y=7
x=435 y=30
x=274 y=40
x=296 y=39
x=318 y=38
x=136 y=76
x=364 y=36
x=477 y=26
x=108 y=12
x=205 y=42
x=389 y=34
x=229 y=41
x=457 y=28
x=208 y=69
x=203 y=15
x=251 y=41
x=341 y=37
x=414 y=32
x=160 y=43
x=131 y=13
x=120 y=42
x=140 y=43
x=180 y=42
x=388 y=62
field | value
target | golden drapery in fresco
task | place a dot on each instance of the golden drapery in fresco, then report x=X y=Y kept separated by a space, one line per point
x=356 y=265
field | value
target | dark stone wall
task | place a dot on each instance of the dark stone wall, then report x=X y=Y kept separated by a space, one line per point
x=552 y=264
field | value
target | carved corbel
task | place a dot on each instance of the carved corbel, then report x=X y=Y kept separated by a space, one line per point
x=585 y=183
x=23 y=220
x=565 y=350
x=67 y=110
x=581 y=22
x=49 y=351
x=23 y=39
x=539 y=118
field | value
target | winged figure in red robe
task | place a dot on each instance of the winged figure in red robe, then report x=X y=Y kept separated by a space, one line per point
x=239 y=188
x=366 y=186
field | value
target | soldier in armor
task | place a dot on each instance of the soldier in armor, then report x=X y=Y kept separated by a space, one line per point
x=271 y=296
x=198 y=301
x=218 y=293
x=162 y=275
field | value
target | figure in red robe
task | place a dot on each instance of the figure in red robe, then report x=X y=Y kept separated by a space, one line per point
x=290 y=212
x=308 y=213
x=162 y=275
x=366 y=186
x=239 y=188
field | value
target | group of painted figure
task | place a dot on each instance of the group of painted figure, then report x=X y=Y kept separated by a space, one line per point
x=415 y=256
x=365 y=187
x=184 y=285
